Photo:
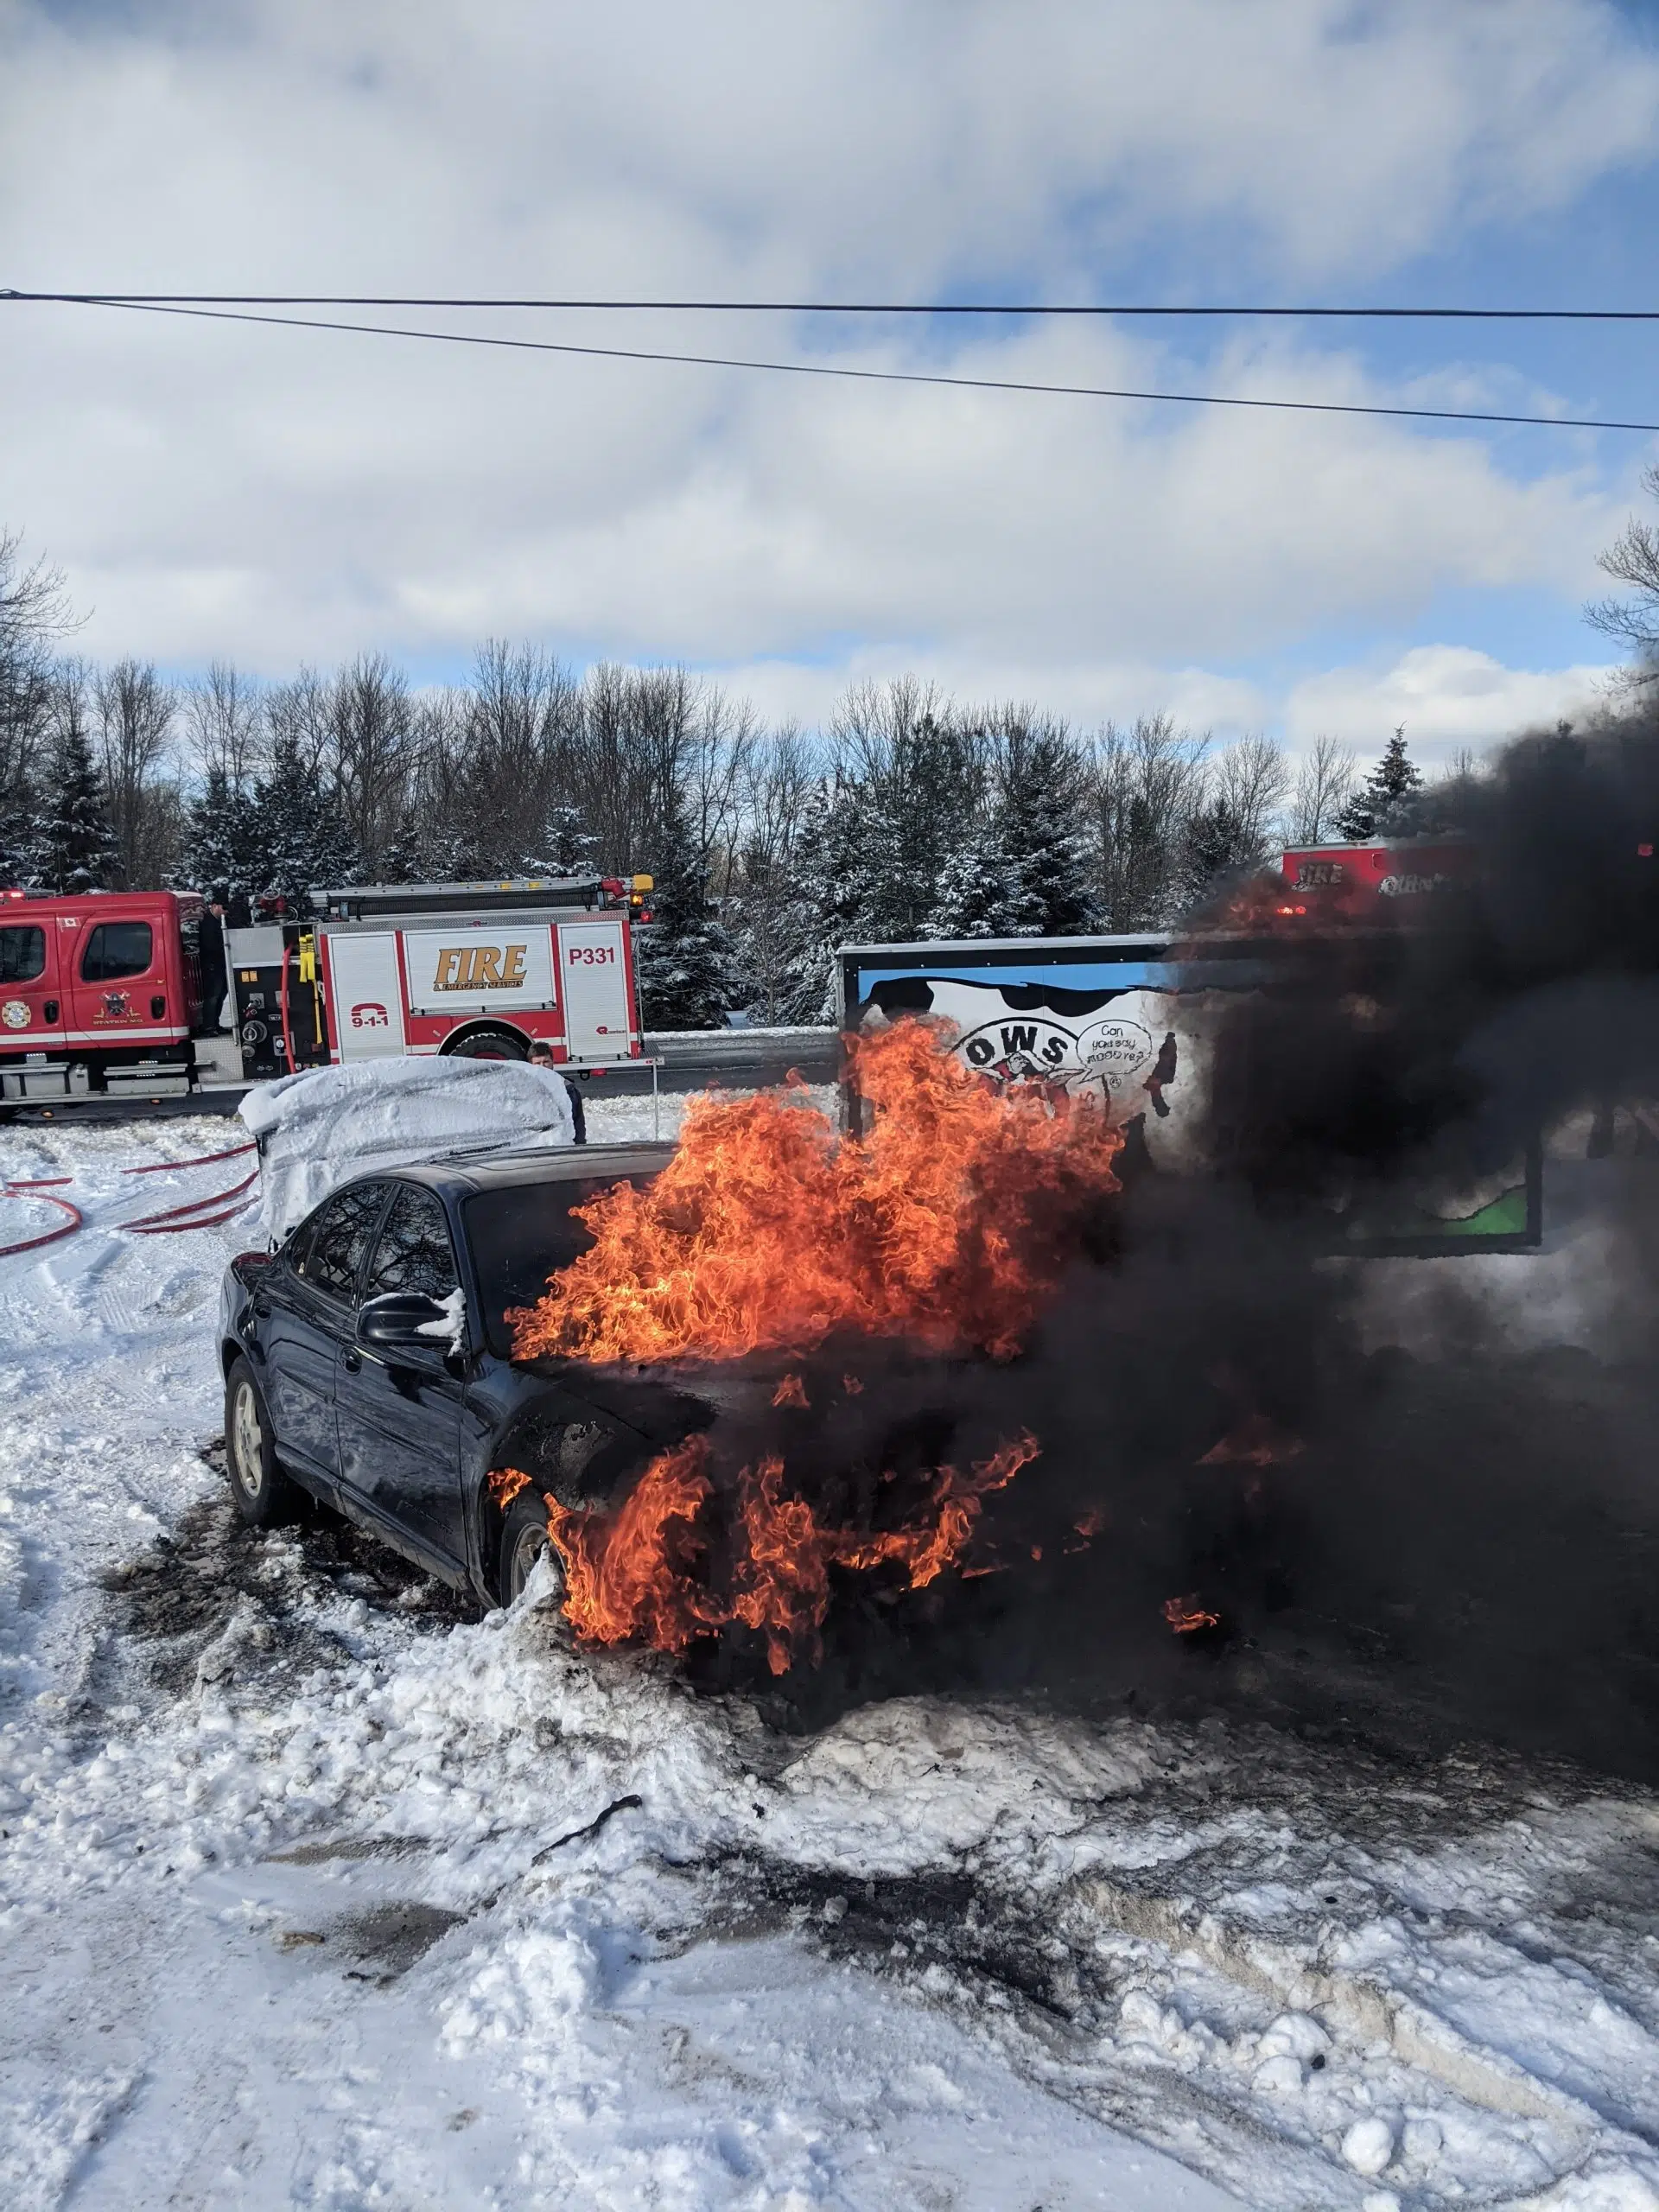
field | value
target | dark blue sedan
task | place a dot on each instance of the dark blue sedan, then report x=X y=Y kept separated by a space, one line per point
x=368 y=1361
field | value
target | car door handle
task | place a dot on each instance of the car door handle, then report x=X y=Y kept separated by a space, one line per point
x=351 y=1363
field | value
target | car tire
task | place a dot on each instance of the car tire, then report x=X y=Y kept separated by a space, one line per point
x=263 y=1492
x=491 y=1044
x=523 y=1541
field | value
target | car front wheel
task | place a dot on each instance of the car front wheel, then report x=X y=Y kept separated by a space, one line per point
x=525 y=1542
x=264 y=1493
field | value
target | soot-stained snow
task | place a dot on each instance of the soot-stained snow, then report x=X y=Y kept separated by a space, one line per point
x=319 y=1892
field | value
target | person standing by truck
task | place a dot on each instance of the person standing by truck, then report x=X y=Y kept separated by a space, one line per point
x=211 y=961
x=541 y=1056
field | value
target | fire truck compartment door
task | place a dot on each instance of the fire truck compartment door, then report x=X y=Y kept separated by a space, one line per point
x=34 y=1004
x=593 y=971
x=366 y=995
x=481 y=968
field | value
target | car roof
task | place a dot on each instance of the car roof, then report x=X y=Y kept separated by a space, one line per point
x=506 y=1169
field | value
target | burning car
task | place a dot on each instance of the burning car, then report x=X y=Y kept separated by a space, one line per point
x=369 y=1362
x=717 y=1377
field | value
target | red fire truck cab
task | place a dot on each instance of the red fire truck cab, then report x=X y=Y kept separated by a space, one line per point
x=100 y=991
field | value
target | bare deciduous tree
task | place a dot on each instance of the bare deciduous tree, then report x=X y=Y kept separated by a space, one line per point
x=1249 y=778
x=224 y=723
x=1324 y=783
x=299 y=715
x=35 y=615
x=133 y=712
x=372 y=747
x=1148 y=779
x=1633 y=559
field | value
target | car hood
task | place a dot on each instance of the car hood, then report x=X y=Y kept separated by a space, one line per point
x=666 y=1403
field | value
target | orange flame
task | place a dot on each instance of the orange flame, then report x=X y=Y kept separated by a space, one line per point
x=791 y=1391
x=504 y=1485
x=641 y=1573
x=1185 y=1614
x=948 y=1223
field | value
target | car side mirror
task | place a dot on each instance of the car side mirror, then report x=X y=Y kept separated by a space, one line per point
x=403 y=1319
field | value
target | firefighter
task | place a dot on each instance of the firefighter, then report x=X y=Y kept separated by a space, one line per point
x=541 y=1056
x=211 y=961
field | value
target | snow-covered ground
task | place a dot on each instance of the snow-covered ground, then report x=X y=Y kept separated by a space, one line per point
x=318 y=1893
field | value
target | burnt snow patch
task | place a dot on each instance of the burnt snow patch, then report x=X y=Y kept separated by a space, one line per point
x=213 y=1600
x=928 y=1929
x=1442 y=1962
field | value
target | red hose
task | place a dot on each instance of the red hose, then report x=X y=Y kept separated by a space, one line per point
x=172 y=1221
x=52 y=1235
x=178 y=1228
x=150 y=1224
x=202 y=1160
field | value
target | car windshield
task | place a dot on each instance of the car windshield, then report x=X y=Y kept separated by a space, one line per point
x=519 y=1237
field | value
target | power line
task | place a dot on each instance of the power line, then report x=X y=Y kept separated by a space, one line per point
x=1012 y=307
x=876 y=376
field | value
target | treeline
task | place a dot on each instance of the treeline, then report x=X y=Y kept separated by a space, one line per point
x=912 y=815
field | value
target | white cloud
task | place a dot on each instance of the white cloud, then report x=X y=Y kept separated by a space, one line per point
x=1088 y=694
x=1448 y=699
x=278 y=495
x=831 y=136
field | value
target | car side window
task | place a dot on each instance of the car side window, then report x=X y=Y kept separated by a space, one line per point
x=414 y=1252
x=332 y=1254
x=117 y=949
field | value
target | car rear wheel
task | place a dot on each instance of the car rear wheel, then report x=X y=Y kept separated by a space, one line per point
x=264 y=1493
x=491 y=1044
x=523 y=1543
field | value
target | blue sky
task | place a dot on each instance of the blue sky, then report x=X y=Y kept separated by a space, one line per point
x=275 y=497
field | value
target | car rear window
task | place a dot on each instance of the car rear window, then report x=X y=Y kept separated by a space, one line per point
x=22 y=955
x=519 y=1237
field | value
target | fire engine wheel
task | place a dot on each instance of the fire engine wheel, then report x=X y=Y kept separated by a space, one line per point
x=523 y=1541
x=492 y=1045
x=264 y=1494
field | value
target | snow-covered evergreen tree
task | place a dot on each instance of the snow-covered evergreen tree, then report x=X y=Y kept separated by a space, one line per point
x=685 y=956
x=979 y=890
x=564 y=848
x=1385 y=795
x=1217 y=844
x=221 y=844
x=77 y=850
x=828 y=906
x=1038 y=827
x=19 y=834
x=296 y=837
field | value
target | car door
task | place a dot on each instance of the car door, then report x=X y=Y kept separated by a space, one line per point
x=119 y=988
x=31 y=999
x=398 y=1411
x=311 y=1294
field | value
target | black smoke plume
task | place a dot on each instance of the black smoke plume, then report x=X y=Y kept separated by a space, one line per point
x=1420 y=1497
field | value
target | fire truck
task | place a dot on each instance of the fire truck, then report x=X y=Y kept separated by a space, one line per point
x=1374 y=883
x=99 y=992
x=483 y=970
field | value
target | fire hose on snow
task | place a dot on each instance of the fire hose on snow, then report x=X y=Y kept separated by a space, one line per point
x=41 y=1187
x=169 y=1221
